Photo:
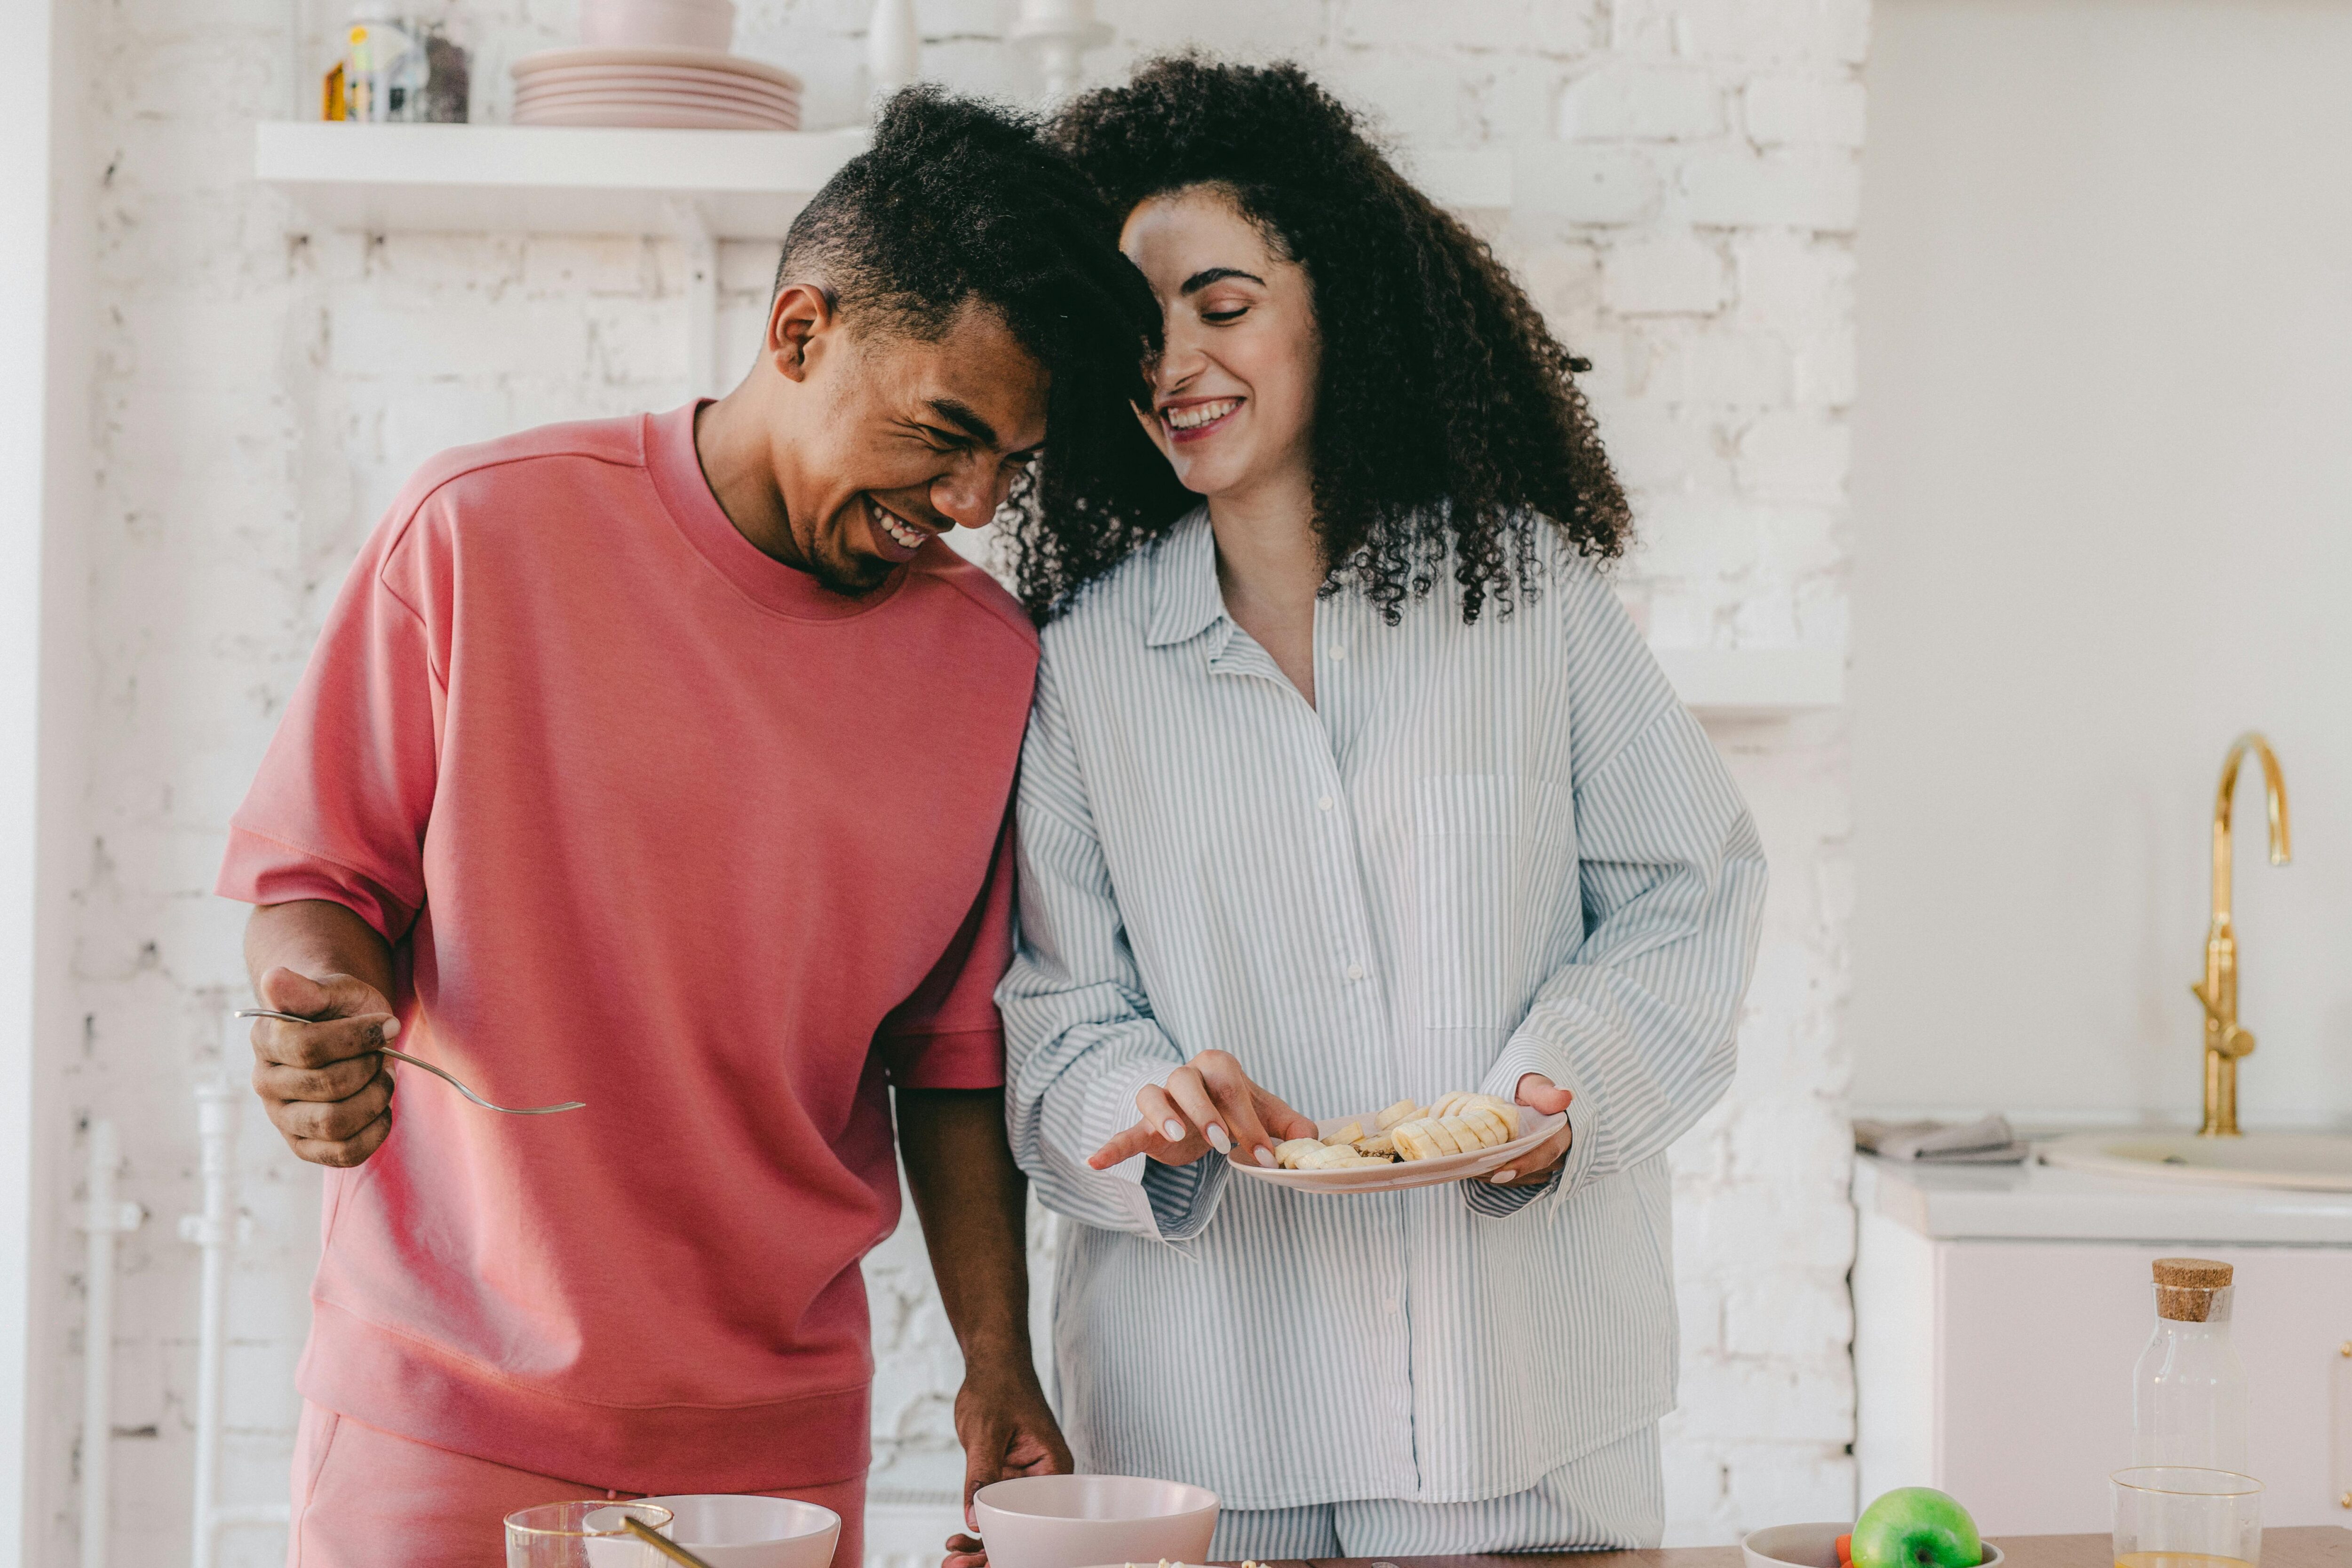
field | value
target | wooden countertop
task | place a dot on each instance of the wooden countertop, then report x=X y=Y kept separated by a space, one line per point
x=2308 y=1546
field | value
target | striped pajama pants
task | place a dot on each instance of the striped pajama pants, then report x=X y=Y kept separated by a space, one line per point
x=1612 y=1498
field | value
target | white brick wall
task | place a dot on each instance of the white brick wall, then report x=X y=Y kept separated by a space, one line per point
x=1686 y=203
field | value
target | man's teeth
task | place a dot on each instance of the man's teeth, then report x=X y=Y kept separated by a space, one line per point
x=1202 y=414
x=909 y=537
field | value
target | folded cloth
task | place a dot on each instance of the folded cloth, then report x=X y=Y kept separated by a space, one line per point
x=1988 y=1141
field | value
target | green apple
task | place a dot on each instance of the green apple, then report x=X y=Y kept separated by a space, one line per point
x=1916 y=1527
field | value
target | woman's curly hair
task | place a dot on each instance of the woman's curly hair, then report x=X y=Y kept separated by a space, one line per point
x=1448 y=423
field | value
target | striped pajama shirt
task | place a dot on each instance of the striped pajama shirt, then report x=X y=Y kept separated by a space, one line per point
x=1485 y=851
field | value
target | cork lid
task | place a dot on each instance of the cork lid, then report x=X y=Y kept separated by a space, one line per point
x=2197 y=1273
x=2185 y=1288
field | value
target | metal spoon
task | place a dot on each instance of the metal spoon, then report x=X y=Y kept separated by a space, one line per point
x=416 y=1062
x=661 y=1543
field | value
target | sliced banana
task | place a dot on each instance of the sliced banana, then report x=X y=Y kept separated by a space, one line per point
x=1491 y=1125
x=1287 y=1156
x=1471 y=1138
x=1332 y=1157
x=1413 y=1141
x=1459 y=1121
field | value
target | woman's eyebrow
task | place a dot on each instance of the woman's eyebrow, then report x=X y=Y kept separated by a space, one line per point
x=1206 y=275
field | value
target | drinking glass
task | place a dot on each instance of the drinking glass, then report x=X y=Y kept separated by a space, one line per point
x=585 y=1534
x=2173 y=1516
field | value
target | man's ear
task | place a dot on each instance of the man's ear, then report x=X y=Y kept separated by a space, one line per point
x=800 y=318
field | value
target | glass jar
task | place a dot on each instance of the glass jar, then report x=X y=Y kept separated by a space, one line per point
x=2188 y=1391
x=399 y=67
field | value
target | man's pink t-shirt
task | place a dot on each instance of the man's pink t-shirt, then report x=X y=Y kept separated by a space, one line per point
x=656 y=822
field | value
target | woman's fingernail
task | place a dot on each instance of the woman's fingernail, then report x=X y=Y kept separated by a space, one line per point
x=1505 y=1175
x=391 y=1029
x=1173 y=1130
x=1264 y=1155
x=1217 y=1139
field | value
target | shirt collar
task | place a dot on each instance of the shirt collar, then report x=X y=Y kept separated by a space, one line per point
x=1185 y=598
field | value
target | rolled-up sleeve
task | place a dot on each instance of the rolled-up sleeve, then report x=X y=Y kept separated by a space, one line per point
x=1080 y=1039
x=1638 y=1025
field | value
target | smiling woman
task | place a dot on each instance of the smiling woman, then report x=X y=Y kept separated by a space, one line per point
x=1318 y=808
x=1447 y=418
x=1238 y=370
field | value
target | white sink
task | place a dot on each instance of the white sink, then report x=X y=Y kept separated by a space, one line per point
x=2309 y=1162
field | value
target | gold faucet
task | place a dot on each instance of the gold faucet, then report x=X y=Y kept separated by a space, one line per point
x=2225 y=1042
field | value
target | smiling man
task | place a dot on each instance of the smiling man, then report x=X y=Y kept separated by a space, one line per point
x=662 y=763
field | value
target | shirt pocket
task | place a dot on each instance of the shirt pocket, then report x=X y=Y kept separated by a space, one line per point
x=1494 y=854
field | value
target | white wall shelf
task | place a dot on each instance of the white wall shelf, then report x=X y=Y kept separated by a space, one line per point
x=1756 y=683
x=701 y=186
x=741 y=184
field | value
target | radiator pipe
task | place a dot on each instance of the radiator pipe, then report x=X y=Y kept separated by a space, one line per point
x=104 y=1218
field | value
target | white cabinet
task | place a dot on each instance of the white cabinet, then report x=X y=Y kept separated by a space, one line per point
x=1998 y=1367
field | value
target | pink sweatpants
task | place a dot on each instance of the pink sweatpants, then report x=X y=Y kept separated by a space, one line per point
x=365 y=1499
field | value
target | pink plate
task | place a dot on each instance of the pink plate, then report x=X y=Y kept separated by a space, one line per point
x=626 y=116
x=703 y=60
x=1533 y=1130
x=740 y=88
x=658 y=73
x=652 y=98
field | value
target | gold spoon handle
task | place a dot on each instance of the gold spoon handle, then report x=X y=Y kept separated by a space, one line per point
x=661 y=1543
x=437 y=1072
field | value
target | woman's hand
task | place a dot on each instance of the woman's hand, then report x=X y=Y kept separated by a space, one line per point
x=1537 y=1094
x=1209 y=1103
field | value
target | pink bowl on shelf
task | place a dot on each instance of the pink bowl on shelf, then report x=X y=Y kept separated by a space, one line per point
x=673 y=24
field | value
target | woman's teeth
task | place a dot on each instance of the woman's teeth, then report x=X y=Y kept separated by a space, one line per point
x=1201 y=413
x=912 y=537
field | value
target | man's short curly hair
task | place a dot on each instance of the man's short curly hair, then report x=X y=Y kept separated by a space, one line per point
x=1448 y=417
x=958 y=202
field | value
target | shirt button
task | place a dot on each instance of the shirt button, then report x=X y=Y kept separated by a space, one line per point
x=1355 y=971
x=1323 y=804
x=1338 y=650
x=1390 y=1304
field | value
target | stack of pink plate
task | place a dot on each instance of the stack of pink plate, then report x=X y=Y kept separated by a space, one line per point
x=705 y=89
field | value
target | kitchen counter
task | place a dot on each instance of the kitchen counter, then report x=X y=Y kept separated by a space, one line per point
x=1998 y=1311
x=2034 y=1202
x=2312 y=1546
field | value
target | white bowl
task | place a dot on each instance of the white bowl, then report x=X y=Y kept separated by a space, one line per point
x=1070 y=1521
x=752 y=1531
x=1810 y=1546
x=640 y=24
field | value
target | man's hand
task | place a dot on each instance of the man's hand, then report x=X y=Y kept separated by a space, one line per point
x=1537 y=1094
x=326 y=1087
x=1209 y=1103
x=1006 y=1429
x=972 y=1199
